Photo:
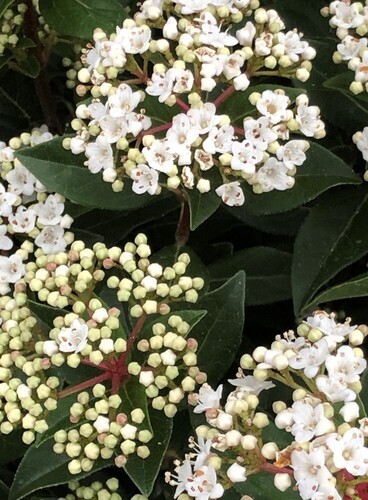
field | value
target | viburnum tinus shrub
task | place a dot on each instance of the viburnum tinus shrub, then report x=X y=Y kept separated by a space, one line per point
x=182 y=235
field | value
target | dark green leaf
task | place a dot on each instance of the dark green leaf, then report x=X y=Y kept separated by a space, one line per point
x=79 y=18
x=4 y=490
x=157 y=112
x=29 y=66
x=11 y=446
x=267 y=270
x=62 y=172
x=287 y=223
x=143 y=472
x=238 y=106
x=330 y=239
x=5 y=4
x=220 y=332
x=321 y=171
x=203 y=205
x=42 y=467
x=260 y=486
x=357 y=287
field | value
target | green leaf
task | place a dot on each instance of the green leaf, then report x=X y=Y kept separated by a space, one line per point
x=356 y=287
x=11 y=446
x=79 y=18
x=29 y=66
x=238 y=106
x=157 y=112
x=219 y=334
x=62 y=172
x=143 y=472
x=260 y=486
x=203 y=205
x=267 y=269
x=42 y=467
x=287 y=223
x=321 y=171
x=5 y=4
x=330 y=239
x=4 y=490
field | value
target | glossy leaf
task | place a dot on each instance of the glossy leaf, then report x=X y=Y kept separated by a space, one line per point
x=267 y=270
x=11 y=446
x=219 y=333
x=62 y=172
x=357 y=287
x=321 y=171
x=203 y=205
x=51 y=470
x=79 y=18
x=143 y=472
x=260 y=486
x=330 y=239
x=5 y=4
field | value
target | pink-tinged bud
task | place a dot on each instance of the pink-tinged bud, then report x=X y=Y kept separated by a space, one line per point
x=51 y=266
x=14 y=355
x=45 y=363
x=73 y=255
x=91 y=323
x=211 y=413
x=120 y=461
x=114 y=311
x=192 y=344
x=73 y=420
x=108 y=263
x=20 y=288
x=201 y=378
x=121 y=419
x=163 y=309
x=101 y=437
x=81 y=90
x=65 y=290
x=192 y=399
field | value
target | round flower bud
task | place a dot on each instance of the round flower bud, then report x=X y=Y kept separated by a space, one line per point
x=233 y=438
x=278 y=406
x=299 y=394
x=282 y=481
x=259 y=353
x=74 y=467
x=248 y=442
x=260 y=420
x=269 y=450
x=236 y=473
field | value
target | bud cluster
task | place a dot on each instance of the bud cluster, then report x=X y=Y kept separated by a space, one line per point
x=192 y=56
x=95 y=491
x=11 y=22
x=350 y=19
x=328 y=452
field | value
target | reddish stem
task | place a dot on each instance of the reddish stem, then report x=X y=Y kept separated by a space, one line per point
x=182 y=104
x=154 y=130
x=183 y=230
x=266 y=466
x=238 y=130
x=101 y=366
x=225 y=94
x=131 y=341
x=84 y=385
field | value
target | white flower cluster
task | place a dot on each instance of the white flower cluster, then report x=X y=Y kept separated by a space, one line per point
x=196 y=55
x=351 y=22
x=360 y=138
x=26 y=209
x=328 y=442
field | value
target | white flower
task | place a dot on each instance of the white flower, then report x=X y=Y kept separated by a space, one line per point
x=202 y=451
x=203 y=119
x=181 y=135
x=134 y=40
x=145 y=179
x=310 y=471
x=308 y=119
x=361 y=72
x=50 y=212
x=50 y=347
x=231 y=194
x=311 y=358
x=40 y=135
x=208 y=399
x=51 y=239
x=361 y=141
x=113 y=129
x=213 y=36
x=6 y=152
x=160 y=155
x=245 y=157
x=74 y=338
x=7 y=201
x=259 y=133
x=292 y=44
x=346 y=15
x=5 y=242
x=308 y=421
x=236 y=473
x=112 y=54
x=350 y=411
x=349 y=452
x=99 y=154
x=273 y=106
x=232 y=66
x=23 y=220
x=336 y=389
x=263 y=44
x=345 y=365
x=191 y=6
x=246 y=35
x=292 y=153
x=219 y=140
x=204 y=159
x=201 y=484
x=327 y=324
x=273 y=175
x=123 y=102
x=11 y=269
x=21 y=181
x=187 y=177
x=250 y=384
x=161 y=85
x=350 y=47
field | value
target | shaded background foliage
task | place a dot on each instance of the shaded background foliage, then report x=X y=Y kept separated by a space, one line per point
x=300 y=250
